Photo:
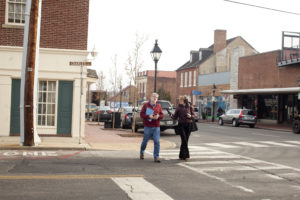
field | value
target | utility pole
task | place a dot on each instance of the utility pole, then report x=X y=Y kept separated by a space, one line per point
x=29 y=81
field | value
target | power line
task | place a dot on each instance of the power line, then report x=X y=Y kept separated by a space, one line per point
x=263 y=7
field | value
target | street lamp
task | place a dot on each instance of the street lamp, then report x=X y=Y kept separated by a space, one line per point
x=155 y=53
x=213 y=102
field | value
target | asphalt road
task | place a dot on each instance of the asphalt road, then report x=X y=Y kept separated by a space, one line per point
x=226 y=163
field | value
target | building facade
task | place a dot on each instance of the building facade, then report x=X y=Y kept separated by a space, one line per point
x=63 y=38
x=165 y=85
x=213 y=66
x=269 y=87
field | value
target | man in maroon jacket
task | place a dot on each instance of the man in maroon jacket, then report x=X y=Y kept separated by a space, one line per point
x=152 y=114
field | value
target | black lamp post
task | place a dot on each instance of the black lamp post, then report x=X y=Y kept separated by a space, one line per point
x=213 y=102
x=155 y=53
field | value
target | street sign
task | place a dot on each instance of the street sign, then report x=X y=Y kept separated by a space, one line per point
x=80 y=63
x=196 y=92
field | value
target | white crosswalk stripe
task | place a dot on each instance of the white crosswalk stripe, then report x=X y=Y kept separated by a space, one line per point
x=278 y=144
x=138 y=188
x=261 y=144
x=250 y=144
x=216 y=164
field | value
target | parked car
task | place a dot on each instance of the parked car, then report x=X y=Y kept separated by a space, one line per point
x=89 y=109
x=126 y=116
x=166 y=123
x=238 y=117
x=104 y=113
x=196 y=114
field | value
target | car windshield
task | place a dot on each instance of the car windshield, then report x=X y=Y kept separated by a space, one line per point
x=248 y=112
x=128 y=109
x=164 y=105
x=91 y=106
x=104 y=108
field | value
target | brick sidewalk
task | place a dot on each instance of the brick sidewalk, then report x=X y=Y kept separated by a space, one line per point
x=117 y=139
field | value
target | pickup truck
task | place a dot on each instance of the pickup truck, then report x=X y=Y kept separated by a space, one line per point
x=166 y=123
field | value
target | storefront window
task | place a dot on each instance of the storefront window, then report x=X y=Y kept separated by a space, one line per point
x=268 y=107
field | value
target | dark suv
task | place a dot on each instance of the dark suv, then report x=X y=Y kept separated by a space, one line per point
x=166 y=123
x=237 y=117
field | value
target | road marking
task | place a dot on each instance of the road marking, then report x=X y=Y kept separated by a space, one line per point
x=250 y=144
x=293 y=142
x=65 y=177
x=217 y=178
x=191 y=153
x=274 y=177
x=138 y=188
x=277 y=144
x=226 y=146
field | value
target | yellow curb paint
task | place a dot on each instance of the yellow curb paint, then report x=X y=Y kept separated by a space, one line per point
x=66 y=177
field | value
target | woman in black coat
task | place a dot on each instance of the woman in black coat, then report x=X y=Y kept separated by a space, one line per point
x=185 y=115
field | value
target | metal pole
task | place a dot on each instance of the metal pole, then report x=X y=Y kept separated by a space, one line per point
x=155 y=75
x=80 y=107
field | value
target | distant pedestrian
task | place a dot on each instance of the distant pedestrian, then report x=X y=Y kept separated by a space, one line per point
x=152 y=114
x=185 y=114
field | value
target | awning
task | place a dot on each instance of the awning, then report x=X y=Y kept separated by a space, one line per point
x=263 y=91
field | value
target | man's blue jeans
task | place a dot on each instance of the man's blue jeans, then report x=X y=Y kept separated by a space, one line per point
x=155 y=133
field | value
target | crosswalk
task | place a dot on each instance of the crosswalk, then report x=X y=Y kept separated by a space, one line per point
x=219 y=165
x=260 y=144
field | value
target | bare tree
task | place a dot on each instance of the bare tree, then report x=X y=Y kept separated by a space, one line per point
x=133 y=66
x=100 y=85
x=134 y=62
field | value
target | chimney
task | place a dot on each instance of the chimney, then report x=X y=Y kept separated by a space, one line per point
x=220 y=40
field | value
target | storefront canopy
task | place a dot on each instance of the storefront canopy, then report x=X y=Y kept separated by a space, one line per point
x=263 y=91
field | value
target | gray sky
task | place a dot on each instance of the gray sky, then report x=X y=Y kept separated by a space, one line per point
x=181 y=26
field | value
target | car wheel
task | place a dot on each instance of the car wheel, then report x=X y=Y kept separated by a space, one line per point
x=221 y=122
x=235 y=123
x=252 y=125
x=296 y=126
x=162 y=129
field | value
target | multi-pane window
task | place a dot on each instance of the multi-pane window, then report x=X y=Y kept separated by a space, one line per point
x=195 y=78
x=185 y=80
x=46 y=103
x=190 y=78
x=16 y=11
x=181 y=79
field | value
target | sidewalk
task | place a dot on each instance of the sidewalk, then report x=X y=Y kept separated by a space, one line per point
x=98 y=138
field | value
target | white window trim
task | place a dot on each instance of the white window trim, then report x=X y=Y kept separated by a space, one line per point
x=9 y=24
x=56 y=104
x=186 y=78
x=190 y=78
x=195 y=78
x=181 y=79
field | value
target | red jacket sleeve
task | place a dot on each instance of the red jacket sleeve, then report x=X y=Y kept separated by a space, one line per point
x=143 y=112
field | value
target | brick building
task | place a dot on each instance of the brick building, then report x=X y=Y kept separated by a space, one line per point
x=63 y=38
x=126 y=95
x=269 y=89
x=165 y=82
x=217 y=65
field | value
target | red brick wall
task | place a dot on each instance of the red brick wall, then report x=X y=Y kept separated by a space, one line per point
x=261 y=71
x=64 y=25
x=168 y=84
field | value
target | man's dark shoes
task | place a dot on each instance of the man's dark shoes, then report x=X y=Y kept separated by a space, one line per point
x=141 y=156
x=156 y=160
